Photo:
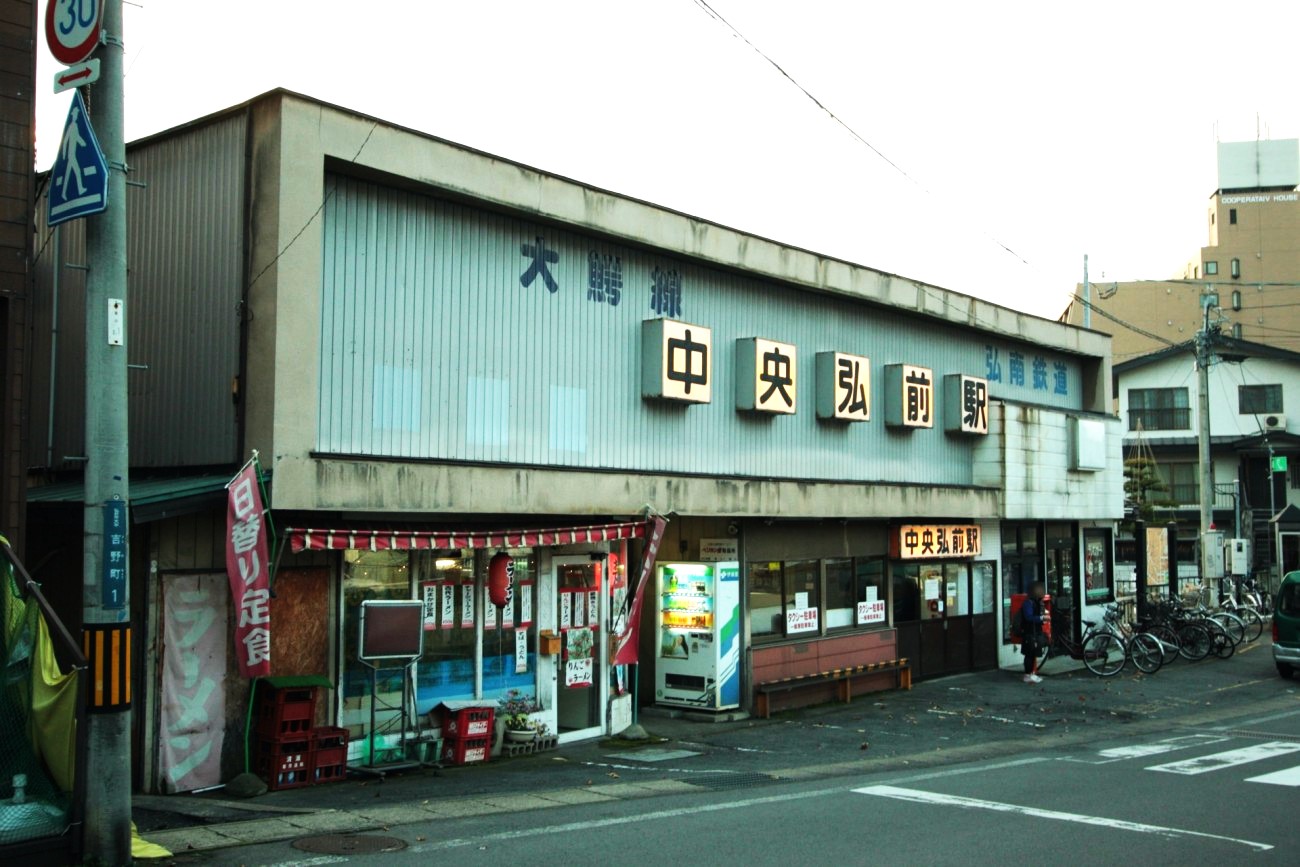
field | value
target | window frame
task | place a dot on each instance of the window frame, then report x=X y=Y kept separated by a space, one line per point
x=824 y=629
x=1260 y=400
x=1174 y=414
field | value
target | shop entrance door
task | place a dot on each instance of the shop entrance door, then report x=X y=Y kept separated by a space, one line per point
x=1062 y=555
x=581 y=683
x=942 y=636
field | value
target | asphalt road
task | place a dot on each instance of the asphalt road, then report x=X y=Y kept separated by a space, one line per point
x=1198 y=765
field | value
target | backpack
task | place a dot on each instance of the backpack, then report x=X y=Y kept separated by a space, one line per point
x=1018 y=623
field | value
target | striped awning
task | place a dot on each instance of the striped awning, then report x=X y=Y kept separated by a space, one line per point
x=340 y=538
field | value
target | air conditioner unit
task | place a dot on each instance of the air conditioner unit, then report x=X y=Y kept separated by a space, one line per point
x=1274 y=422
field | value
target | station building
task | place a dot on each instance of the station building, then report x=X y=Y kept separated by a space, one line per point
x=440 y=355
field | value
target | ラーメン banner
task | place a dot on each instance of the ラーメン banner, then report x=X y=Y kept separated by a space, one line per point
x=248 y=566
x=628 y=640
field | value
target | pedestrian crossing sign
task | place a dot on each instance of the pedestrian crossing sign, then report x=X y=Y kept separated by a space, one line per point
x=79 y=179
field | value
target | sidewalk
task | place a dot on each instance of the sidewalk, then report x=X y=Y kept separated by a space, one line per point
x=961 y=718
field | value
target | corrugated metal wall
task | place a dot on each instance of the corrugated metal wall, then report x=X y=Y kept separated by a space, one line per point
x=432 y=348
x=185 y=253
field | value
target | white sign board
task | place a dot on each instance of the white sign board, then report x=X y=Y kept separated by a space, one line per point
x=871 y=612
x=719 y=550
x=798 y=620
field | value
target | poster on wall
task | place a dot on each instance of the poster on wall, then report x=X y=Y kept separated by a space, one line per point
x=429 y=597
x=799 y=620
x=579 y=609
x=467 y=606
x=521 y=651
x=871 y=611
x=566 y=610
x=448 y=615
x=489 y=616
x=508 y=612
x=579 y=642
x=1157 y=557
x=593 y=608
x=525 y=597
x=192 y=707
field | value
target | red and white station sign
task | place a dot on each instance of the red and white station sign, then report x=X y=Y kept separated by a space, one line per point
x=72 y=28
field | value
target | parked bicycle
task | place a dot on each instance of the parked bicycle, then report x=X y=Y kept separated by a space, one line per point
x=1106 y=648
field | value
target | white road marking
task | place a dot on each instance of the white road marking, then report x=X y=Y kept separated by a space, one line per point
x=1001 y=719
x=1168 y=745
x=1229 y=759
x=1288 y=777
x=1254 y=722
x=920 y=797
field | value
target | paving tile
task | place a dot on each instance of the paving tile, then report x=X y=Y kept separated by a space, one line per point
x=458 y=807
x=399 y=814
x=182 y=840
x=574 y=796
x=331 y=821
x=258 y=830
x=518 y=802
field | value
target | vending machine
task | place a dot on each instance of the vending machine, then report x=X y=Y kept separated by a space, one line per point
x=698 y=624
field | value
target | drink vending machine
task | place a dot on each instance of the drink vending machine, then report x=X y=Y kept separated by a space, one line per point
x=698 y=624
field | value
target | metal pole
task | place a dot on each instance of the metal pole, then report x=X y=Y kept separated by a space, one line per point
x=1275 y=548
x=1203 y=345
x=1140 y=584
x=107 y=619
x=1172 y=547
x=1087 y=295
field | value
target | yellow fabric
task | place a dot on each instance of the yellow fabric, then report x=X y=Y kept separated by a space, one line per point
x=54 y=710
x=142 y=848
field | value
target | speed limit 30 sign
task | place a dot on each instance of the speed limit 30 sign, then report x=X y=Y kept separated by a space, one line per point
x=72 y=28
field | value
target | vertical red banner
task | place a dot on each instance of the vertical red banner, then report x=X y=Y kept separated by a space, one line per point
x=629 y=639
x=248 y=568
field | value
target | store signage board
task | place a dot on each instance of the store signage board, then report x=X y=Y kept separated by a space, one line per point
x=799 y=620
x=965 y=404
x=843 y=386
x=766 y=376
x=935 y=541
x=871 y=612
x=909 y=396
x=1279 y=463
x=72 y=28
x=676 y=361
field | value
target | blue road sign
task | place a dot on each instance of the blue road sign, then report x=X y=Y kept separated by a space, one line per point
x=113 y=590
x=79 y=178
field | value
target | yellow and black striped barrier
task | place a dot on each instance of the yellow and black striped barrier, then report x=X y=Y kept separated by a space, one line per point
x=108 y=650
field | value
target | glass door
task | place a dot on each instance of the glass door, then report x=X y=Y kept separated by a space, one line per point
x=583 y=616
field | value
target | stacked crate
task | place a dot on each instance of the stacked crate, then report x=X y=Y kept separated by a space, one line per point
x=467 y=734
x=329 y=755
x=283 y=757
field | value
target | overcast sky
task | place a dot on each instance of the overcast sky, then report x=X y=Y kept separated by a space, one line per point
x=1021 y=135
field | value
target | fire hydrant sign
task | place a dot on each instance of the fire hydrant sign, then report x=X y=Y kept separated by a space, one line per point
x=247 y=564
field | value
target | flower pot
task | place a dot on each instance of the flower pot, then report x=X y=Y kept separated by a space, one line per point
x=521 y=736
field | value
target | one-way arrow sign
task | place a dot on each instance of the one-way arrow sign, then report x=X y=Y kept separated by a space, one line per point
x=79 y=178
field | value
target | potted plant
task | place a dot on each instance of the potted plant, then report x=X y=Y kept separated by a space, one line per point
x=516 y=711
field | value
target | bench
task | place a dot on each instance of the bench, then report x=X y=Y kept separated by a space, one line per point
x=843 y=677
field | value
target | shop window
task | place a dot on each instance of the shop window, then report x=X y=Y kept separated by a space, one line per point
x=984 y=580
x=1022 y=565
x=1098 y=566
x=810 y=597
x=1158 y=409
x=446 y=669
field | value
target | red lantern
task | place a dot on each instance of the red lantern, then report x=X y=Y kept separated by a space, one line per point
x=501 y=579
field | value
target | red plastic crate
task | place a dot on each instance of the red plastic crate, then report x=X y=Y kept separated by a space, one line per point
x=285 y=763
x=329 y=773
x=469 y=722
x=466 y=751
x=324 y=737
x=286 y=711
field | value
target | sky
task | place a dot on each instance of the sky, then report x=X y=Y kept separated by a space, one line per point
x=985 y=148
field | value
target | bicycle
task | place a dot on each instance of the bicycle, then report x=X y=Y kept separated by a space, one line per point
x=1105 y=649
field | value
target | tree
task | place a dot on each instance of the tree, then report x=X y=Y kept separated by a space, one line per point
x=1142 y=488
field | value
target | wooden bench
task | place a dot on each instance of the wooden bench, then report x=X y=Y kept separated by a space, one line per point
x=843 y=677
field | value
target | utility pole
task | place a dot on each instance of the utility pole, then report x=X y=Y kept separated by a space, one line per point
x=1087 y=295
x=106 y=608
x=1204 y=341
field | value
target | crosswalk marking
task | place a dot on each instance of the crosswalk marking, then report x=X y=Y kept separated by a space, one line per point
x=920 y=796
x=1288 y=777
x=1228 y=759
x=1168 y=745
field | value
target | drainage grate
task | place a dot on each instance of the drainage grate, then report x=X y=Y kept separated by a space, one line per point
x=1247 y=733
x=722 y=781
x=349 y=844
